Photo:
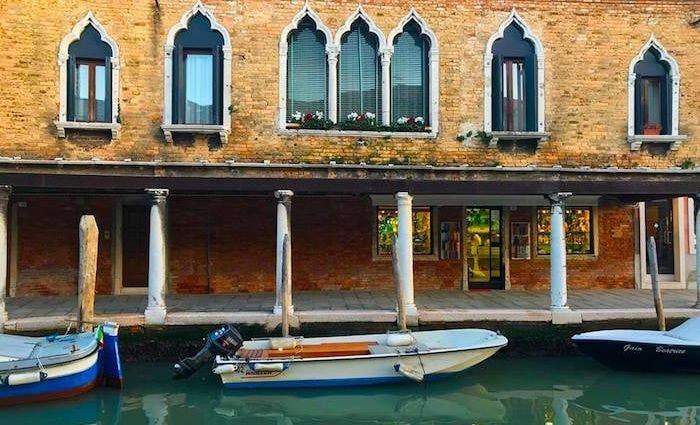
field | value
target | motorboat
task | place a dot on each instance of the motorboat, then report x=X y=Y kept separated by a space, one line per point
x=34 y=369
x=676 y=350
x=402 y=356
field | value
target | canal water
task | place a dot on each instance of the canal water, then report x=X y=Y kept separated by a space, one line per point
x=565 y=390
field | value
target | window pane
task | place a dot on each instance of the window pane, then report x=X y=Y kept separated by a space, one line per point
x=387 y=226
x=513 y=92
x=307 y=69
x=81 y=92
x=577 y=225
x=199 y=89
x=409 y=74
x=100 y=95
x=360 y=72
x=651 y=101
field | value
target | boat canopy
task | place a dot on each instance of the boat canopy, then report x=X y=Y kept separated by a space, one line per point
x=23 y=352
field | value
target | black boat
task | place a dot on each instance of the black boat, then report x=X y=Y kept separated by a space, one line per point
x=677 y=350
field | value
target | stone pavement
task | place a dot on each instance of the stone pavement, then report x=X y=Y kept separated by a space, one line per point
x=338 y=301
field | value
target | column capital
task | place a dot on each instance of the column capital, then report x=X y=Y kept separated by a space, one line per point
x=284 y=196
x=403 y=197
x=386 y=55
x=332 y=52
x=157 y=195
x=5 y=192
x=557 y=198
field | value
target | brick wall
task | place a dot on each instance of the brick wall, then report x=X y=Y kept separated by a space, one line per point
x=588 y=47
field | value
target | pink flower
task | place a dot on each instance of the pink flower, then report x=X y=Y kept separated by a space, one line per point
x=411 y=120
x=308 y=116
x=361 y=118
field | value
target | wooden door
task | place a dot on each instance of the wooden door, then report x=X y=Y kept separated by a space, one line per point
x=135 y=231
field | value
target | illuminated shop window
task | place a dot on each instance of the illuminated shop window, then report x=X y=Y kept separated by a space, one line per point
x=578 y=225
x=388 y=224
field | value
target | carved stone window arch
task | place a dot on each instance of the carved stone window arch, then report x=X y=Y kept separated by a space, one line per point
x=672 y=138
x=112 y=62
x=170 y=123
x=538 y=133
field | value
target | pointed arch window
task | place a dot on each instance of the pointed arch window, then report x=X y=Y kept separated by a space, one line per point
x=360 y=75
x=89 y=79
x=653 y=98
x=410 y=76
x=197 y=89
x=307 y=71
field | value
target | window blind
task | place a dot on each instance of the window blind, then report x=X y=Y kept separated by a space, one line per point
x=409 y=74
x=360 y=72
x=307 y=70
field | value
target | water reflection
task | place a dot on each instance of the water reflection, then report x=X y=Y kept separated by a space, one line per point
x=560 y=391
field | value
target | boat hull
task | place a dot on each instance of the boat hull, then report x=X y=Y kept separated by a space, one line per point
x=426 y=364
x=642 y=356
x=64 y=380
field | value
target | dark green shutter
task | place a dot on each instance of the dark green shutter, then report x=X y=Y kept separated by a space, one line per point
x=217 y=86
x=496 y=93
x=409 y=75
x=70 y=81
x=666 y=90
x=108 y=89
x=531 y=93
x=179 y=86
x=307 y=79
x=638 y=118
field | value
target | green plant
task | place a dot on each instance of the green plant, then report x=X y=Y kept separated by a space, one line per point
x=484 y=137
x=687 y=164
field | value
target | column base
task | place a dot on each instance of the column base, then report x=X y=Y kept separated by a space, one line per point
x=411 y=314
x=277 y=310
x=565 y=316
x=155 y=315
x=3 y=320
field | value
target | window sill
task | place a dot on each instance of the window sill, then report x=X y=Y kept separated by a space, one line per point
x=113 y=128
x=673 y=141
x=169 y=129
x=360 y=133
x=515 y=136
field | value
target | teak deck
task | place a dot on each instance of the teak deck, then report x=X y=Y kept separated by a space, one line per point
x=330 y=349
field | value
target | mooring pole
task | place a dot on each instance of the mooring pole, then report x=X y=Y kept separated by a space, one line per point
x=654 y=269
x=286 y=295
x=397 y=281
x=87 y=272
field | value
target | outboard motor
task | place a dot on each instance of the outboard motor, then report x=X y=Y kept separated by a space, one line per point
x=224 y=341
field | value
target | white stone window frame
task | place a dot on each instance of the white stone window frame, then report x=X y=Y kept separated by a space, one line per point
x=385 y=51
x=674 y=139
x=62 y=123
x=168 y=127
x=540 y=135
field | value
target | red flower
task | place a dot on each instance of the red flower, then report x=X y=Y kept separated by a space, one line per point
x=308 y=116
x=411 y=121
x=361 y=118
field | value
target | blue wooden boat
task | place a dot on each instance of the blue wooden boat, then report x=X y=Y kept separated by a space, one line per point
x=36 y=369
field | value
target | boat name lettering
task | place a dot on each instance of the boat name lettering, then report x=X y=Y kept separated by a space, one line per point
x=630 y=347
x=670 y=350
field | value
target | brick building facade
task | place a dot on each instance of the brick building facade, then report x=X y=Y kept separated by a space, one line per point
x=220 y=237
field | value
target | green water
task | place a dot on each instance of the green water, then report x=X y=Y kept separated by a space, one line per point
x=500 y=391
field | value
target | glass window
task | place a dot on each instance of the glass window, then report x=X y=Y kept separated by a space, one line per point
x=199 y=88
x=360 y=72
x=89 y=94
x=307 y=78
x=651 y=102
x=409 y=74
x=513 y=92
x=387 y=226
x=578 y=226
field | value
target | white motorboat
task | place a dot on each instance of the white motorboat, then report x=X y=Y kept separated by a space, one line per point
x=343 y=360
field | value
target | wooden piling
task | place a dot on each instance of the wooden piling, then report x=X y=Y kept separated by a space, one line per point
x=87 y=272
x=286 y=295
x=397 y=282
x=654 y=269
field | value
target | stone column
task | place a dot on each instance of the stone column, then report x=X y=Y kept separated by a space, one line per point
x=5 y=192
x=332 y=55
x=284 y=228
x=404 y=242
x=386 y=87
x=157 y=258
x=557 y=254
x=696 y=203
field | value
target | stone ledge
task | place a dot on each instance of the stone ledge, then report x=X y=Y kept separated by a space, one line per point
x=515 y=136
x=113 y=128
x=673 y=140
x=220 y=130
x=361 y=133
